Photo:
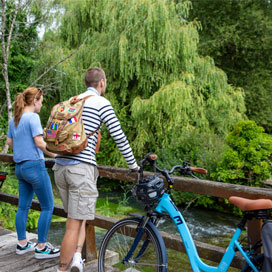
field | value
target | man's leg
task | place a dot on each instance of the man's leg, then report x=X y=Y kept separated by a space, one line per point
x=81 y=238
x=69 y=242
x=77 y=262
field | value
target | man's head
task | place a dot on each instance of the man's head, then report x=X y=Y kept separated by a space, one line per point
x=95 y=77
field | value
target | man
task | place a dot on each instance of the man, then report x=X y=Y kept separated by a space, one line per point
x=76 y=175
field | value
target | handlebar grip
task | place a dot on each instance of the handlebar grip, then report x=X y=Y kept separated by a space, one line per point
x=199 y=170
x=152 y=157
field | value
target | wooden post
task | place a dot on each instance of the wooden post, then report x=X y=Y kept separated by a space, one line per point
x=89 y=252
x=254 y=228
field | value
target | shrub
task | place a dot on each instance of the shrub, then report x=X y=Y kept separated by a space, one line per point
x=248 y=158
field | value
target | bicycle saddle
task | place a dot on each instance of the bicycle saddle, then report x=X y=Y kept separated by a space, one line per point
x=245 y=204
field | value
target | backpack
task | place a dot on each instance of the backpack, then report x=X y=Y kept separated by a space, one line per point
x=267 y=245
x=64 y=132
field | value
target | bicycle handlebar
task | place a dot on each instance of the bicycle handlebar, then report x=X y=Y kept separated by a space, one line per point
x=184 y=169
x=198 y=170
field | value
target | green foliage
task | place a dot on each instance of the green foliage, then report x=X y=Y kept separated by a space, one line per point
x=240 y=43
x=189 y=199
x=177 y=110
x=109 y=207
x=161 y=89
x=8 y=211
x=23 y=58
x=247 y=161
x=198 y=149
x=3 y=129
x=169 y=99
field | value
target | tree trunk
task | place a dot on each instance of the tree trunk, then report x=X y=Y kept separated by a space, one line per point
x=5 y=44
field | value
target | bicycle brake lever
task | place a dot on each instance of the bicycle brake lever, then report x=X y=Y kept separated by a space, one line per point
x=191 y=174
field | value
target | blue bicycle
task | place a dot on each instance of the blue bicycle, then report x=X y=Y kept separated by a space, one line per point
x=135 y=244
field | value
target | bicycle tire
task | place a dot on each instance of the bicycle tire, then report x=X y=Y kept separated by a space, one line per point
x=117 y=242
x=257 y=261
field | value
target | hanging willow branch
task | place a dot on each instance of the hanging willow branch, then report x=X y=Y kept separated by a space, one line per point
x=56 y=64
x=149 y=51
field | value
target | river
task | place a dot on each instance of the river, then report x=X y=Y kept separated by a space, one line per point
x=205 y=225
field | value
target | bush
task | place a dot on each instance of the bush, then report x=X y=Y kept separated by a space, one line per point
x=200 y=149
x=248 y=158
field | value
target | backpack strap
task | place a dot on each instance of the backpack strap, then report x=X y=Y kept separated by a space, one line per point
x=98 y=142
x=75 y=99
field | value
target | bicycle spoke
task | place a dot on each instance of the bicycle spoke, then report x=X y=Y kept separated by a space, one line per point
x=120 y=240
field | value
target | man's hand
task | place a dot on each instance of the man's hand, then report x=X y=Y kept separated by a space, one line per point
x=136 y=169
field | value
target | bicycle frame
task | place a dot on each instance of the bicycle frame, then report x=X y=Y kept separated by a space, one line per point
x=167 y=205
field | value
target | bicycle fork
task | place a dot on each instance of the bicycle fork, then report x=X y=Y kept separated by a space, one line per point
x=138 y=237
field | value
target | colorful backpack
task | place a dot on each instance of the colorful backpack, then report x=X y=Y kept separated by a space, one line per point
x=64 y=132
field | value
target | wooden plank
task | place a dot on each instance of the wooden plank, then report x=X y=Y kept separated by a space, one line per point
x=90 y=244
x=4 y=231
x=10 y=262
x=254 y=228
x=12 y=199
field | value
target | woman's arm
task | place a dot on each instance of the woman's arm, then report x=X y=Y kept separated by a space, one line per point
x=10 y=142
x=40 y=143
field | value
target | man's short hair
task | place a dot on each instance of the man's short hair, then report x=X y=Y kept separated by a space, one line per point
x=93 y=76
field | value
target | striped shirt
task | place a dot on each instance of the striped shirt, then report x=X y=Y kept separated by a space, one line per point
x=98 y=110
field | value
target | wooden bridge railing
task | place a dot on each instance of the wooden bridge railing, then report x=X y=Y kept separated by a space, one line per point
x=211 y=188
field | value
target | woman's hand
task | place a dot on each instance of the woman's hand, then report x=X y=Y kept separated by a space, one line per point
x=40 y=143
x=10 y=142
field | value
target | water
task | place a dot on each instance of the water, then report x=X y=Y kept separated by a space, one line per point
x=205 y=225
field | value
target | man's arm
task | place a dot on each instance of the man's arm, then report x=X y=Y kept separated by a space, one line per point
x=109 y=118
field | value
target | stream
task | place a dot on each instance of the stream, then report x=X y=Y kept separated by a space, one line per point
x=205 y=225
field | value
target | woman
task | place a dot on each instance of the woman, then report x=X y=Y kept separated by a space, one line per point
x=26 y=140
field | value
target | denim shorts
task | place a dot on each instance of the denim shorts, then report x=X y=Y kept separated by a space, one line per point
x=77 y=188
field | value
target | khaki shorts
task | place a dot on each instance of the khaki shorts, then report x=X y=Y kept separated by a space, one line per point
x=77 y=188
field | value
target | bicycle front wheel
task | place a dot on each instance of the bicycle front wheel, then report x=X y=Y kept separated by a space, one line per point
x=147 y=257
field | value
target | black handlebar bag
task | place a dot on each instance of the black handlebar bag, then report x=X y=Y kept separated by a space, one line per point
x=267 y=245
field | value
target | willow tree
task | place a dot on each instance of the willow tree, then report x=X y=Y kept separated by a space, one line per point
x=157 y=82
x=240 y=43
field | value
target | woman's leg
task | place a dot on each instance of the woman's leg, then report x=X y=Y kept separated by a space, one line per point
x=36 y=174
x=25 y=199
x=45 y=195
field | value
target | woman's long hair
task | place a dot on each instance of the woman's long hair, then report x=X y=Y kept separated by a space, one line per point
x=25 y=99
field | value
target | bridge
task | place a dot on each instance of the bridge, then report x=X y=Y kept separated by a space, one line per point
x=206 y=187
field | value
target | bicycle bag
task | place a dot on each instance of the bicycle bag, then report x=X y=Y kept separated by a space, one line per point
x=267 y=245
x=64 y=132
